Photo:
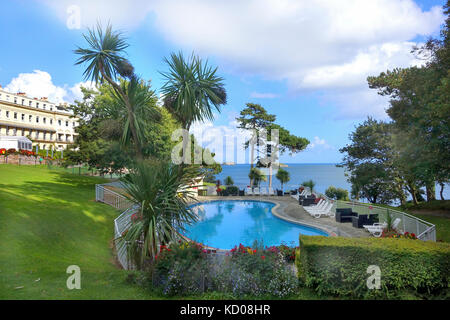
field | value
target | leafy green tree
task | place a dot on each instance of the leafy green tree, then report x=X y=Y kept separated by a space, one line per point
x=256 y=119
x=162 y=197
x=283 y=176
x=337 y=193
x=420 y=106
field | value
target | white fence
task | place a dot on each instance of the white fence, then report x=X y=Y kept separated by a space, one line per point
x=122 y=222
x=105 y=195
x=121 y=225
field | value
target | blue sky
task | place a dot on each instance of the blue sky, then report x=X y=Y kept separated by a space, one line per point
x=304 y=61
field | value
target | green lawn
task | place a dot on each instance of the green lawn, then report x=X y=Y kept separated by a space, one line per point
x=49 y=220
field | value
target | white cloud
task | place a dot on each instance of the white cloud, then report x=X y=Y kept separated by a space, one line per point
x=263 y=95
x=312 y=45
x=40 y=84
x=319 y=143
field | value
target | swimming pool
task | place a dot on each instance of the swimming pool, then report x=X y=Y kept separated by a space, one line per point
x=224 y=224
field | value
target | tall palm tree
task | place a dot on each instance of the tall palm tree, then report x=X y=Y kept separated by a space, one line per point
x=141 y=97
x=105 y=62
x=160 y=194
x=192 y=89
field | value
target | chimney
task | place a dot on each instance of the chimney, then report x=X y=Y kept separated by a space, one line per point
x=22 y=94
x=44 y=98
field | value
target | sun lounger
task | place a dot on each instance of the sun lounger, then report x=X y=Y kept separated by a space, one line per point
x=377 y=228
x=271 y=192
x=248 y=192
x=327 y=211
x=264 y=191
x=256 y=192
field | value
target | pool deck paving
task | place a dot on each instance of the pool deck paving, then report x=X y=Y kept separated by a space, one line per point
x=288 y=209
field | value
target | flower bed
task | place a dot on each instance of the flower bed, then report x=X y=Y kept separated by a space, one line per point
x=187 y=268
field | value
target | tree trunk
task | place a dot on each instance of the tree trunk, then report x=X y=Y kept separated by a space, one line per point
x=252 y=158
x=412 y=190
x=270 y=175
x=441 y=193
x=431 y=191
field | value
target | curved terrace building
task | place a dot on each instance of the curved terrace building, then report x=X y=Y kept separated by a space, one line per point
x=46 y=124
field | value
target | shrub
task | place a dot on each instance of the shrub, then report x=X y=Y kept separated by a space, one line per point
x=337 y=193
x=339 y=265
x=232 y=190
x=180 y=268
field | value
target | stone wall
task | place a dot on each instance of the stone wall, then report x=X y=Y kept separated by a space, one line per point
x=19 y=159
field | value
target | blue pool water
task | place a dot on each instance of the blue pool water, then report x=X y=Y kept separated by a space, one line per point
x=224 y=224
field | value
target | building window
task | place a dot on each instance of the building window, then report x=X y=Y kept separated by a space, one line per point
x=67 y=123
x=23 y=101
x=23 y=117
x=44 y=120
x=59 y=122
x=37 y=119
x=51 y=121
x=7 y=114
x=44 y=106
x=29 y=103
x=15 y=100
x=30 y=117
x=15 y=115
x=37 y=104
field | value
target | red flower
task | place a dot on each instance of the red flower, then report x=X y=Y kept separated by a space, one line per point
x=254 y=250
x=263 y=257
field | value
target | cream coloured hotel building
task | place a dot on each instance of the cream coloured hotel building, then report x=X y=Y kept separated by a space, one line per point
x=43 y=122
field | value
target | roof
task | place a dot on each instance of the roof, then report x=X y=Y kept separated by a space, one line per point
x=14 y=138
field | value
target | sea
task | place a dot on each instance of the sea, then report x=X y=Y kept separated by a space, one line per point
x=323 y=174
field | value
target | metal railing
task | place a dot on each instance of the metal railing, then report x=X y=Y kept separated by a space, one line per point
x=112 y=198
x=422 y=229
x=121 y=225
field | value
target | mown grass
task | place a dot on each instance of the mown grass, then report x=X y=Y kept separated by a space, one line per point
x=49 y=220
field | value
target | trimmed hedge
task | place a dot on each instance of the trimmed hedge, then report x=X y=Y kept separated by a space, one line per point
x=337 y=265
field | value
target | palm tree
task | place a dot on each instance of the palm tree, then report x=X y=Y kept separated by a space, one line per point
x=256 y=176
x=229 y=181
x=192 y=89
x=310 y=184
x=105 y=62
x=160 y=194
x=283 y=176
x=141 y=97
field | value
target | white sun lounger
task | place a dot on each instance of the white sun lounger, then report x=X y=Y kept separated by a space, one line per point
x=322 y=212
x=264 y=192
x=271 y=192
x=319 y=205
x=377 y=228
x=256 y=192
x=248 y=192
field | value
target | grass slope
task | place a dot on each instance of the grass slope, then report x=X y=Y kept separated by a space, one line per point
x=49 y=220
